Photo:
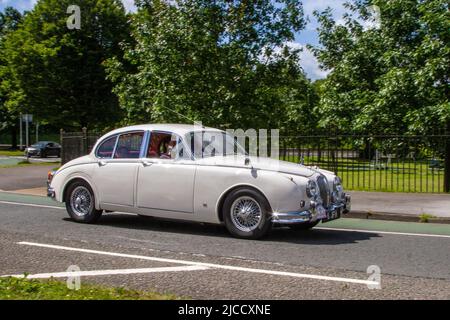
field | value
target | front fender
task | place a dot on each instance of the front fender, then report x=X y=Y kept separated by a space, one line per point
x=63 y=178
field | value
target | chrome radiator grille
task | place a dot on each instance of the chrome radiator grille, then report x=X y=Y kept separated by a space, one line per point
x=324 y=190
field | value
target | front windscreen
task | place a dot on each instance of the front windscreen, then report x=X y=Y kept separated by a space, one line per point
x=213 y=144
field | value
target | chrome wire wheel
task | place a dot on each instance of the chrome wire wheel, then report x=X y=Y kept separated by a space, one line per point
x=246 y=213
x=81 y=201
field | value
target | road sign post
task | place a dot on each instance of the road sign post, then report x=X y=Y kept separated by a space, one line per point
x=21 y=134
x=27 y=118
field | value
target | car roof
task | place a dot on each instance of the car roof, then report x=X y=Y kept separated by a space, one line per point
x=180 y=129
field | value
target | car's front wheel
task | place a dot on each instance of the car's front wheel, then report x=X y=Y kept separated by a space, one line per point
x=247 y=214
x=80 y=203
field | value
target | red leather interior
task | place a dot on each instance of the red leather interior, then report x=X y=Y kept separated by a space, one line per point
x=155 y=145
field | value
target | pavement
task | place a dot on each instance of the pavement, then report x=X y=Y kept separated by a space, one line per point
x=336 y=260
x=24 y=177
x=409 y=204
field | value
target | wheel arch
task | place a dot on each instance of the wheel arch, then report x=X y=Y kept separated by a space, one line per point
x=224 y=195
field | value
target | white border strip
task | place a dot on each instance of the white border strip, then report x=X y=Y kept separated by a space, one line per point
x=59 y=208
x=386 y=232
x=32 y=205
x=105 y=272
x=202 y=264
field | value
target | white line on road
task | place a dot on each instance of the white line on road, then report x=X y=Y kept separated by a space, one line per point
x=386 y=232
x=32 y=205
x=106 y=272
x=59 y=208
x=202 y=264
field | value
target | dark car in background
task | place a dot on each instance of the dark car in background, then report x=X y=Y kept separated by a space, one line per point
x=43 y=149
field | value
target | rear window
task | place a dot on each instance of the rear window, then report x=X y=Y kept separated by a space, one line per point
x=106 y=149
x=129 y=146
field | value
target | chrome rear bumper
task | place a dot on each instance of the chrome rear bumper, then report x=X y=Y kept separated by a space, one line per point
x=50 y=192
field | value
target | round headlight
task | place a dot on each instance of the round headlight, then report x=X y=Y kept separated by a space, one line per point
x=337 y=186
x=311 y=189
x=337 y=181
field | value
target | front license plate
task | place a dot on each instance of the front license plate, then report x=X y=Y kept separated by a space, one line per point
x=321 y=213
x=333 y=215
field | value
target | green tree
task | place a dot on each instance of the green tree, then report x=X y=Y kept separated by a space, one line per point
x=390 y=79
x=9 y=22
x=60 y=71
x=225 y=63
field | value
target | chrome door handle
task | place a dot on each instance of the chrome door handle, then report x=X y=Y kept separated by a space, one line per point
x=102 y=163
x=146 y=163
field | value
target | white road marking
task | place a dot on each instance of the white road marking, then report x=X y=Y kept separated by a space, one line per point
x=202 y=264
x=106 y=272
x=59 y=208
x=32 y=205
x=386 y=232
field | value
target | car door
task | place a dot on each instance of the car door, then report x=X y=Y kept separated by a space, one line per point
x=115 y=175
x=50 y=149
x=166 y=176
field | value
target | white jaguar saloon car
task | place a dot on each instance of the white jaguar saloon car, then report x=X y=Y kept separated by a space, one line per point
x=195 y=174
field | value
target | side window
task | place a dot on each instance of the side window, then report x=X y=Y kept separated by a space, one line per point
x=106 y=149
x=129 y=146
x=165 y=145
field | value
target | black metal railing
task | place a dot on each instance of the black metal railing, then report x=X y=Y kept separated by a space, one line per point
x=76 y=144
x=393 y=163
x=376 y=162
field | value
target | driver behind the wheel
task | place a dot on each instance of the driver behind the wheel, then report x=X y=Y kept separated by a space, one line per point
x=168 y=146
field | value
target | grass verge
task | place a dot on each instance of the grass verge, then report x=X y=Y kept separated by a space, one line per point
x=10 y=153
x=27 y=289
x=425 y=217
x=27 y=164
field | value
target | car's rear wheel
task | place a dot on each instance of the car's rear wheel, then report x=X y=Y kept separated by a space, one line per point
x=247 y=214
x=80 y=203
x=304 y=226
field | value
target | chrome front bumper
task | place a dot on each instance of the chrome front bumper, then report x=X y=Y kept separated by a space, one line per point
x=333 y=212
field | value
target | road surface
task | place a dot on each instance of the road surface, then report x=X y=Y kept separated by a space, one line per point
x=205 y=262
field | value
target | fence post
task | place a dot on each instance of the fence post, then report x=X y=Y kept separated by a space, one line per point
x=61 y=142
x=84 y=141
x=447 y=165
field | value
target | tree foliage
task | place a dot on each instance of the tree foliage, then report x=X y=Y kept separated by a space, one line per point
x=9 y=22
x=225 y=63
x=390 y=79
x=60 y=72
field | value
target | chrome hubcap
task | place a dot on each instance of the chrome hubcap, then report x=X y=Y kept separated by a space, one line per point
x=246 y=214
x=81 y=201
